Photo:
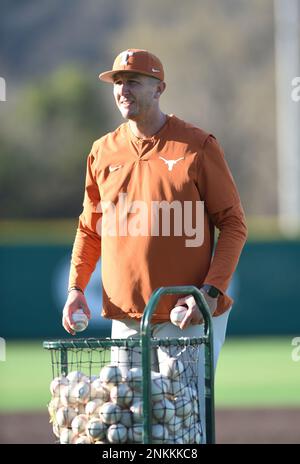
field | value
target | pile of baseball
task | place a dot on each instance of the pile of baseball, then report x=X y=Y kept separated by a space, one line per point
x=109 y=408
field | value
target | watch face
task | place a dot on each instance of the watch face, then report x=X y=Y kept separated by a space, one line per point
x=213 y=291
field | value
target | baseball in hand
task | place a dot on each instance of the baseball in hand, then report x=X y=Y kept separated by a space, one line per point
x=177 y=314
x=79 y=320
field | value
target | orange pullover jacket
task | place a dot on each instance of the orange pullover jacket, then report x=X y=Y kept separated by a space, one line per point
x=150 y=210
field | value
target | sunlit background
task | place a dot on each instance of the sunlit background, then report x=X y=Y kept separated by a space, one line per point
x=232 y=68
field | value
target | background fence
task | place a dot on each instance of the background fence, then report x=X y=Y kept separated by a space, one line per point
x=35 y=278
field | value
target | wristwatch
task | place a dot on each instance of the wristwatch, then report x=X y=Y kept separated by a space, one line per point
x=75 y=288
x=212 y=291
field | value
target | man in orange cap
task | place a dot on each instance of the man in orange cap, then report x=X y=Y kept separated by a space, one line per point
x=136 y=175
x=143 y=76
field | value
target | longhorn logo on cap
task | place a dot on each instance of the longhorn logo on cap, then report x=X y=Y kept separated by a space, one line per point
x=125 y=57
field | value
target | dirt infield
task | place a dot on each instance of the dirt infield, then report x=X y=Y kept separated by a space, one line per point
x=232 y=426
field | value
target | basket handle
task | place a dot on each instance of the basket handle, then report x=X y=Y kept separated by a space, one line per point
x=188 y=290
x=208 y=353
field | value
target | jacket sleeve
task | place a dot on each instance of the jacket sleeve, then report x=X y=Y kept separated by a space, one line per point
x=87 y=245
x=225 y=212
x=232 y=237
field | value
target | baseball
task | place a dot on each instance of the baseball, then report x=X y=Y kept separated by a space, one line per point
x=126 y=418
x=177 y=388
x=175 y=425
x=183 y=406
x=98 y=391
x=135 y=433
x=79 y=320
x=159 y=433
x=57 y=384
x=82 y=440
x=189 y=421
x=137 y=411
x=110 y=413
x=110 y=375
x=117 y=433
x=75 y=376
x=179 y=441
x=66 y=436
x=186 y=436
x=95 y=429
x=177 y=314
x=160 y=386
x=197 y=434
x=81 y=391
x=193 y=434
x=93 y=406
x=53 y=406
x=75 y=394
x=56 y=430
x=134 y=378
x=64 y=416
x=137 y=396
x=80 y=409
x=163 y=410
x=121 y=394
x=79 y=424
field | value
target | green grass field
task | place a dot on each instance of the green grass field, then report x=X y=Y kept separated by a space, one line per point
x=258 y=372
x=251 y=373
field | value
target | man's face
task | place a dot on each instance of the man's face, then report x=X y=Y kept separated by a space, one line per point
x=136 y=95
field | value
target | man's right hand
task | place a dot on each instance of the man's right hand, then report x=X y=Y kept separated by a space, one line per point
x=75 y=301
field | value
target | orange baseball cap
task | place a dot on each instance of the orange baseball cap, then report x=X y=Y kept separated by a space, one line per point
x=135 y=60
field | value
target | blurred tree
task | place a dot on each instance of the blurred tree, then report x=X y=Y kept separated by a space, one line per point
x=45 y=139
x=219 y=63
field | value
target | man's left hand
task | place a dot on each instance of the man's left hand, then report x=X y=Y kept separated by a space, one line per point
x=193 y=315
